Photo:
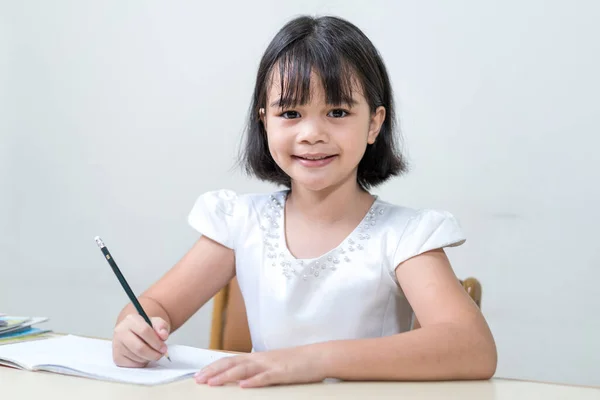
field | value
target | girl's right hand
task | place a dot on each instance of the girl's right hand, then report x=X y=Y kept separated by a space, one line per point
x=135 y=343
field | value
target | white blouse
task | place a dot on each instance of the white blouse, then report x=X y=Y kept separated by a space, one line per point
x=351 y=292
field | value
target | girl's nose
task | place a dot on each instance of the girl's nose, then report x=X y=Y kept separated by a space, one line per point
x=311 y=131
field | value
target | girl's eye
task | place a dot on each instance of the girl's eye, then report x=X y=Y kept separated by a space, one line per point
x=338 y=113
x=290 y=114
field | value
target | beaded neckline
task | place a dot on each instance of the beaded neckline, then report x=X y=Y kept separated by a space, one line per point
x=279 y=256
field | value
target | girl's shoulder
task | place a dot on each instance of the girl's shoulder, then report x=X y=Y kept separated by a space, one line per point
x=232 y=203
x=223 y=214
x=225 y=206
x=412 y=231
x=402 y=215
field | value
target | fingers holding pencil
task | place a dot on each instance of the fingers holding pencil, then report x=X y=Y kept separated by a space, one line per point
x=135 y=343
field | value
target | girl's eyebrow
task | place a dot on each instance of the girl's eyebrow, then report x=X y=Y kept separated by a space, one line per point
x=276 y=103
x=351 y=103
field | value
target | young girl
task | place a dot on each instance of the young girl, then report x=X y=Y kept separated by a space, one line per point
x=330 y=274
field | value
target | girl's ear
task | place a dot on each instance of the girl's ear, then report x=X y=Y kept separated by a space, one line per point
x=375 y=124
x=262 y=117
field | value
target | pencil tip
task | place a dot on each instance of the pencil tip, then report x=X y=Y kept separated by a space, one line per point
x=169 y=358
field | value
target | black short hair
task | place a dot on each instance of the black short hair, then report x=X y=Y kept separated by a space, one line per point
x=342 y=56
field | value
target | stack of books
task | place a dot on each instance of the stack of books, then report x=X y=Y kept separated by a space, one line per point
x=17 y=329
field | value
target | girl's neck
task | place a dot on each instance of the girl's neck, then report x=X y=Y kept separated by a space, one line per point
x=330 y=205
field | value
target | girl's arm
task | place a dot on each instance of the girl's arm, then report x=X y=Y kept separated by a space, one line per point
x=454 y=341
x=206 y=268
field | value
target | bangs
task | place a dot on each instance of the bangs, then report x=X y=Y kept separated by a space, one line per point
x=296 y=66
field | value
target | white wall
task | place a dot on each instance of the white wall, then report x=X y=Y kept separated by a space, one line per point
x=115 y=115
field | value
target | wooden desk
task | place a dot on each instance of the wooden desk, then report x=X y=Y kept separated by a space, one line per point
x=17 y=384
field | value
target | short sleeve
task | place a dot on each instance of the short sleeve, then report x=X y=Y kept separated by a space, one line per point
x=215 y=215
x=428 y=230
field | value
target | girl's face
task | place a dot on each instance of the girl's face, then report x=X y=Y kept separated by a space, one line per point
x=317 y=144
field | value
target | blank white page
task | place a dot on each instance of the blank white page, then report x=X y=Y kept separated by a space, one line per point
x=93 y=358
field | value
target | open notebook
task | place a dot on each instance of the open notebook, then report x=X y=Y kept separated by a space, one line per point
x=92 y=358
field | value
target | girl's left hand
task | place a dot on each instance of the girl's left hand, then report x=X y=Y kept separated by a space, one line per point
x=293 y=365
